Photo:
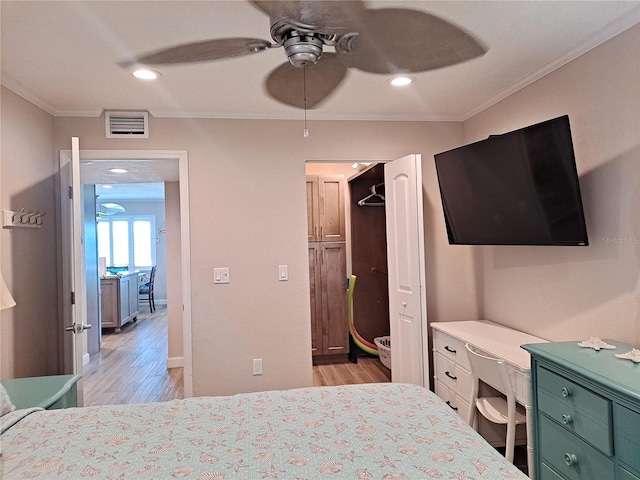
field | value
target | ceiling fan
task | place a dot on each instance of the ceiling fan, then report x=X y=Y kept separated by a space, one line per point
x=383 y=41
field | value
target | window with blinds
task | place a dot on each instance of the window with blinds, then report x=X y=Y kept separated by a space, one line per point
x=127 y=241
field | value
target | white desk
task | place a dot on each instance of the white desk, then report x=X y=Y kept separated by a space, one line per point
x=451 y=370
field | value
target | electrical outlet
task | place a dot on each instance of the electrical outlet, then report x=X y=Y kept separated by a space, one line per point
x=257 y=366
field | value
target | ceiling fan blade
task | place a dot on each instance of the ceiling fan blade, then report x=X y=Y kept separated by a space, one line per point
x=200 y=52
x=286 y=83
x=325 y=16
x=397 y=40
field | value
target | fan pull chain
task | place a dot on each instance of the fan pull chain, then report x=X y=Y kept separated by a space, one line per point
x=304 y=94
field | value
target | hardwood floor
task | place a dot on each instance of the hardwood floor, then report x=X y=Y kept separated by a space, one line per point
x=367 y=370
x=131 y=365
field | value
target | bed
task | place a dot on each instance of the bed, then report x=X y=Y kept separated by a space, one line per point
x=363 y=432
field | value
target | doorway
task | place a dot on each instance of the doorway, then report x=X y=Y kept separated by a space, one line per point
x=408 y=348
x=129 y=225
x=156 y=163
x=332 y=211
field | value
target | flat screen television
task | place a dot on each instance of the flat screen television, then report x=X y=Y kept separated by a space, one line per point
x=518 y=188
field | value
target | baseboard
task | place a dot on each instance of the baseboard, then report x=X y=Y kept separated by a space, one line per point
x=85 y=359
x=175 y=362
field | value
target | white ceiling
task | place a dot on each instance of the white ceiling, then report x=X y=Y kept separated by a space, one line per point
x=63 y=57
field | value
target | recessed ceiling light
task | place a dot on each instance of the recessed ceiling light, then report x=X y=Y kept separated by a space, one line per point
x=118 y=170
x=146 y=74
x=401 y=81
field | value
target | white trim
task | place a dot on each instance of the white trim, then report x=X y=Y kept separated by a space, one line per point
x=183 y=168
x=85 y=359
x=175 y=362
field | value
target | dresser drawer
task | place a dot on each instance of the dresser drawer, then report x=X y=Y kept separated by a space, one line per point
x=452 y=374
x=623 y=474
x=571 y=394
x=546 y=473
x=451 y=348
x=570 y=456
x=449 y=395
x=627 y=441
x=567 y=416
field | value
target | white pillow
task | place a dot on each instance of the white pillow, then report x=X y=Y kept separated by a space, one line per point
x=5 y=402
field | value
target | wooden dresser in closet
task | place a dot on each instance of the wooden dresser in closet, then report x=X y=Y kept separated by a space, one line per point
x=327 y=267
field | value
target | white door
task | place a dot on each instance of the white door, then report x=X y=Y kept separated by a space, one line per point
x=405 y=252
x=73 y=267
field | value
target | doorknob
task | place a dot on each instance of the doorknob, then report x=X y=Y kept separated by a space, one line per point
x=77 y=328
x=404 y=304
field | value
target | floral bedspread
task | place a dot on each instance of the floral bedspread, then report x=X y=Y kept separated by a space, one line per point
x=360 y=432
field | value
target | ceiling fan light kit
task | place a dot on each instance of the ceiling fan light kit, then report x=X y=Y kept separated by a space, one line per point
x=385 y=41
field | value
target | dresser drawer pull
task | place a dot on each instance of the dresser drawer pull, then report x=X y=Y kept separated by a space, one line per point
x=566 y=392
x=452 y=407
x=566 y=419
x=570 y=459
x=450 y=350
x=452 y=377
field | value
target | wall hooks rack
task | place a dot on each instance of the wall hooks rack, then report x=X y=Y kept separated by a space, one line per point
x=22 y=219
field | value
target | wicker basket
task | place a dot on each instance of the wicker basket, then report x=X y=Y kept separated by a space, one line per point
x=384 y=350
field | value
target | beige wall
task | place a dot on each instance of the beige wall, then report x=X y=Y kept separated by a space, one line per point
x=174 y=274
x=247 y=198
x=565 y=293
x=29 y=331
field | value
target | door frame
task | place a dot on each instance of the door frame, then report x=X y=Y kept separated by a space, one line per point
x=424 y=350
x=183 y=168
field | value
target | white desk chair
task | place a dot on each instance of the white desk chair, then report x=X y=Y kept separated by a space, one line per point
x=493 y=372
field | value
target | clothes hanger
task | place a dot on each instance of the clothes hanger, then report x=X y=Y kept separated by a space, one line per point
x=365 y=202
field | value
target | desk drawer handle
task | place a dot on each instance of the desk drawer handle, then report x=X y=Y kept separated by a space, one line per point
x=450 y=350
x=570 y=459
x=452 y=377
x=566 y=419
x=566 y=392
x=452 y=407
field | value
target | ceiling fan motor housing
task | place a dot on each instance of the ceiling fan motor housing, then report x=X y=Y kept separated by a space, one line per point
x=303 y=50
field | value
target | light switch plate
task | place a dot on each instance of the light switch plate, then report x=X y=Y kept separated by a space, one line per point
x=221 y=275
x=283 y=273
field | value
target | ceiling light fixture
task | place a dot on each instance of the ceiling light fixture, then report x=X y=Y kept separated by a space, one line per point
x=401 y=81
x=118 y=170
x=106 y=186
x=146 y=74
x=110 y=209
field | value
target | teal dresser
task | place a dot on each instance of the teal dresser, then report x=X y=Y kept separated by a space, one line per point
x=586 y=409
x=51 y=392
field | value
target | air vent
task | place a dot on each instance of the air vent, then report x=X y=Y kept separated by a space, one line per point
x=127 y=124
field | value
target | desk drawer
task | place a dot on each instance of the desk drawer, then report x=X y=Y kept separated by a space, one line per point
x=627 y=428
x=452 y=374
x=570 y=456
x=451 y=348
x=450 y=396
x=576 y=396
x=567 y=416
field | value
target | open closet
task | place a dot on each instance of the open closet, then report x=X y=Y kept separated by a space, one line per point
x=369 y=252
x=347 y=236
